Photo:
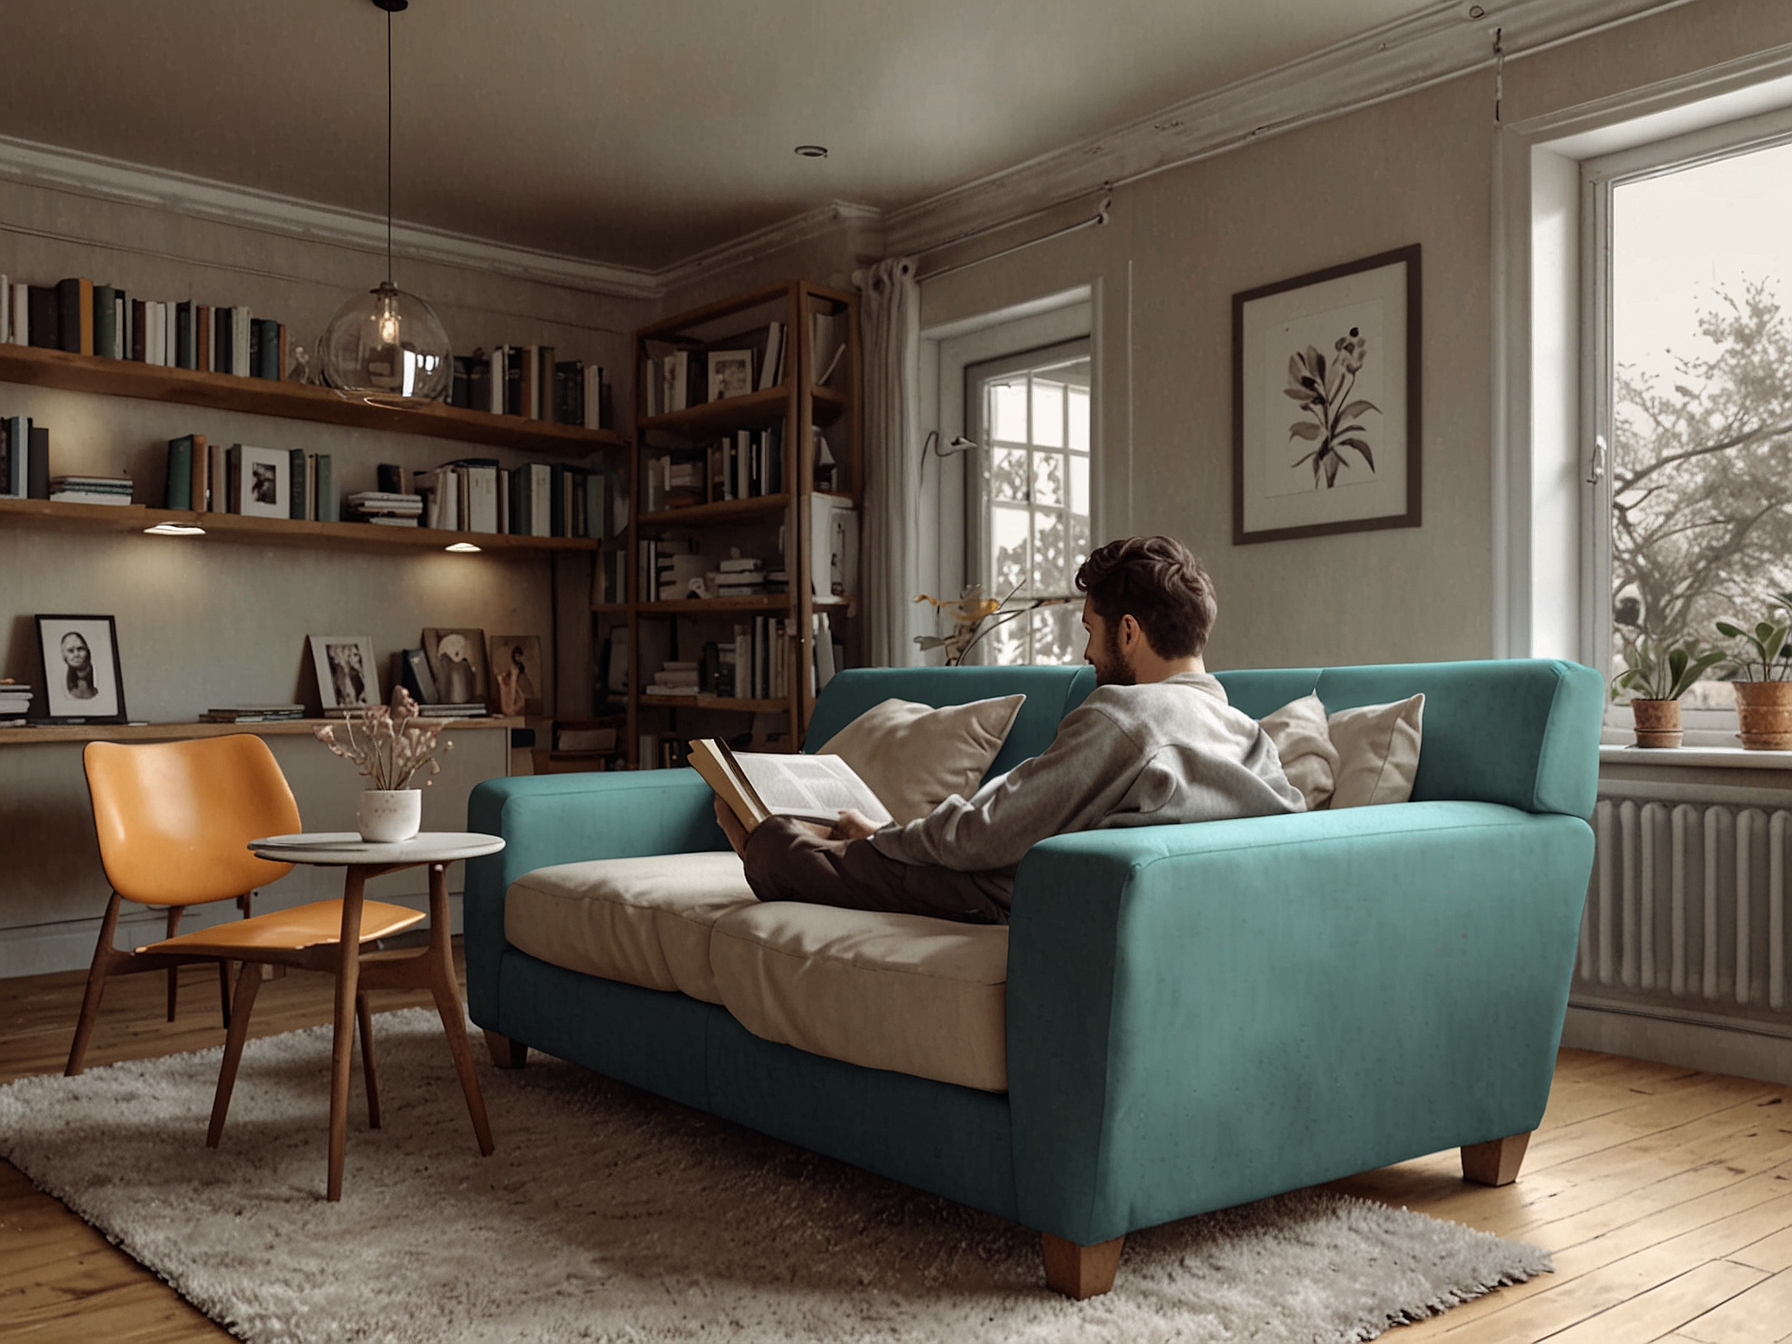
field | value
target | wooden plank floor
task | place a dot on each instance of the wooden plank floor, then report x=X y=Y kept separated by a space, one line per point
x=1664 y=1194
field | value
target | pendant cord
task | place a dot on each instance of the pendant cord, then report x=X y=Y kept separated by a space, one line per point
x=388 y=146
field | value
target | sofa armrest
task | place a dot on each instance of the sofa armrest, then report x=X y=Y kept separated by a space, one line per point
x=551 y=819
x=1203 y=1015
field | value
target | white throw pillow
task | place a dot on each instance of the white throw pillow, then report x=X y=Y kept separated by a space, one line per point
x=1378 y=752
x=1303 y=741
x=914 y=757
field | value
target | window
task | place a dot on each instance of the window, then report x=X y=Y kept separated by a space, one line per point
x=1029 y=416
x=1692 y=388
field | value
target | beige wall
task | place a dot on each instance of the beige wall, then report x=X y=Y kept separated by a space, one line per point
x=1179 y=245
x=203 y=622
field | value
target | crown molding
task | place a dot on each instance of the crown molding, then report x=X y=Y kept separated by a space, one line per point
x=205 y=198
x=816 y=223
x=1438 y=43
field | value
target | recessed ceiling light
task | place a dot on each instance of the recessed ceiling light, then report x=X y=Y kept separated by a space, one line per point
x=812 y=151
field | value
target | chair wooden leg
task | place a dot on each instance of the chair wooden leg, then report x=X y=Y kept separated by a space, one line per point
x=364 y=1019
x=1495 y=1162
x=103 y=956
x=447 y=995
x=1080 y=1271
x=174 y=914
x=246 y=984
x=506 y=1053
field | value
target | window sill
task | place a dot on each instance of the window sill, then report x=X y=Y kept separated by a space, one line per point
x=1695 y=757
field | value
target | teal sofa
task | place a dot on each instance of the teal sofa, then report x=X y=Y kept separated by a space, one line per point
x=1197 y=1015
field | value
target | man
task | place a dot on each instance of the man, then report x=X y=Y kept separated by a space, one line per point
x=1154 y=744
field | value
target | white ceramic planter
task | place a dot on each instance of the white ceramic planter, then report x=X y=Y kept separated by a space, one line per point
x=387 y=815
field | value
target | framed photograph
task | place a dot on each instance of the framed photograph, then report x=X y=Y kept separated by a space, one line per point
x=516 y=674
x=83 y=681
x=730 y=373
x=262 y=487
x=1325 y=401
x=346 y=675
x=457 y=657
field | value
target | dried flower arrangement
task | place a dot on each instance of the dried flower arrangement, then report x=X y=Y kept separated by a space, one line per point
x=392 y=744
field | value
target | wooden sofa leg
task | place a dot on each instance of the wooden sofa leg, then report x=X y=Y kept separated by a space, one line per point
x=1080 y=1271
x=506 y=1053
x=1495 y=1162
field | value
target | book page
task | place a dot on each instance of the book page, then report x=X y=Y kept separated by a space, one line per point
x=815 y=788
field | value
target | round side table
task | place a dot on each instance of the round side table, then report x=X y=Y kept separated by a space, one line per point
x=431 y=969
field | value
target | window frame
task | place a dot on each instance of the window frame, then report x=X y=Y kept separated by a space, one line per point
x=978 y=461
x=1599 y=177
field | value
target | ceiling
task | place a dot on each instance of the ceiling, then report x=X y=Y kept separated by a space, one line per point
x=629 y=133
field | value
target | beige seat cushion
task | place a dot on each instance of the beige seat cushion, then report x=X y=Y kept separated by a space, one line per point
x=914 y=757
x=641 y=921
x=902 y=992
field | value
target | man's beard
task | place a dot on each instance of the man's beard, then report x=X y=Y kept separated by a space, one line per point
x=1111 y=668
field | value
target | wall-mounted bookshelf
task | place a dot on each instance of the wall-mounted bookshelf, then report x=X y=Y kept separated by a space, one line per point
x=40 y=734
x=758 y=444
x=237 y=527
x=37 y=367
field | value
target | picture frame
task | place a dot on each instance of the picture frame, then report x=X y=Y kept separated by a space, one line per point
x=347 y=676
x=1326 y=405
x=83 y=674
x=516 y=674
x=730 y=373
x=457 y=657
x=262 y=488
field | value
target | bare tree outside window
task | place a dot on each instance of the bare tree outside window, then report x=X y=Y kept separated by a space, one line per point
x=1701 y=470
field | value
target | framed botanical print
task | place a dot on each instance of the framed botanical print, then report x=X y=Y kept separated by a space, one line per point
x=1325 y=401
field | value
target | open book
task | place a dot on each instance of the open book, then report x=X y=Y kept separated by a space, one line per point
x=757 y=784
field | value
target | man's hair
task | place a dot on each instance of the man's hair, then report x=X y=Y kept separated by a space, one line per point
x=1159 y=583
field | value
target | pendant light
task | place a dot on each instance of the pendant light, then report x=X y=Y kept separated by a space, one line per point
x=386 y=346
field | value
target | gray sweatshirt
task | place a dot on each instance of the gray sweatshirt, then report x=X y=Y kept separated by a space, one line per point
x=1166 y=752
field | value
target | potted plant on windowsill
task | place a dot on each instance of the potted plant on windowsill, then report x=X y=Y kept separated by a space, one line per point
x=1762 y=678
x=1658 y=672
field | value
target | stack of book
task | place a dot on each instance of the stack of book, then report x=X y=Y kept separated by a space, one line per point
x=24 y=459
x=668 y=568
x=674 y=678
x=386 y=508
x=537 y=500
x=741 y=576
x=83 y=318
x=527 y=380
x=90 y=489
x=254 y=714
x=747 y=464
x=15 y=699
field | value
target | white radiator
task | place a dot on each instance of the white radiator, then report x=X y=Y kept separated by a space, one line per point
x=1686 y=912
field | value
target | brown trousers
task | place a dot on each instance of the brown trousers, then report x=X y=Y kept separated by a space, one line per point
x=786 y=861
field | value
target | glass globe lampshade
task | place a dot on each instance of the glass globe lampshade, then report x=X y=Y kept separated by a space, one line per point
x=387 y=346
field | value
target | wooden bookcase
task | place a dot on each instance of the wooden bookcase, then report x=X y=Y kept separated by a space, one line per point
x=796 y=407
x=31 y=366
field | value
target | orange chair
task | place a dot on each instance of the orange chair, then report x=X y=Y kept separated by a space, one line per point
x=174 y=821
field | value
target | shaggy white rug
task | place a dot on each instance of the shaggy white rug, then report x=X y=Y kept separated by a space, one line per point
x=608 y=1214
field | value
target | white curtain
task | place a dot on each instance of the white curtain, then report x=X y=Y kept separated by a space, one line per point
x=890 y=321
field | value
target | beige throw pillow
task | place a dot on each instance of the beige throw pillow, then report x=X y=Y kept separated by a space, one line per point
x=1378 y=752
x=915 y=757
x=1304 y=744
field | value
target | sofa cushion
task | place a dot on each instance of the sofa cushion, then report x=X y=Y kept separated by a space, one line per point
x=1378 y=752
x=1304 y=746
x=914 y=757
x=908 y=993
x=642 y=921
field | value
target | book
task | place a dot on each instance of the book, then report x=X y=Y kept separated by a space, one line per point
x=265 y=361
x=760 y=785
x=299 y=500
x=416 y=676
x=217 y=499
x=44 y=312
x=105 y=321
x=202 y=337
x=329 y=508
x=21 y=313
x=183 y=336
x=74 y=315
x=178 y=493
x=199 y=488
x=771 y=362
x=37 y=464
